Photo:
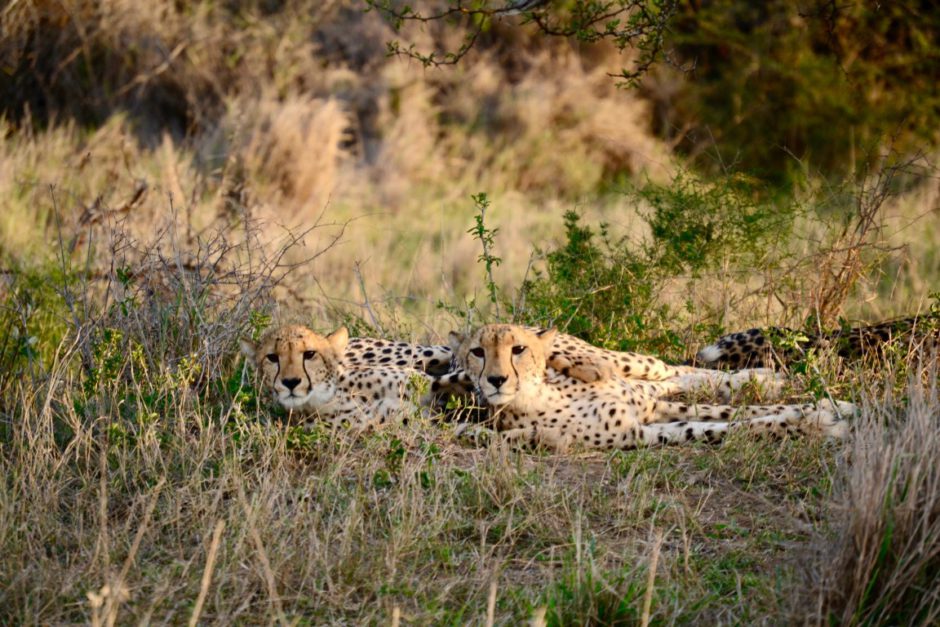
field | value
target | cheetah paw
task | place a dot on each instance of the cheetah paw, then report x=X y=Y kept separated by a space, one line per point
x=474 y=434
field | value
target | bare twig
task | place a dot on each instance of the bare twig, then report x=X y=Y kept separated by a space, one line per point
x=625 y=23
x=651 y=580
x=207 y=573
x=366 y=305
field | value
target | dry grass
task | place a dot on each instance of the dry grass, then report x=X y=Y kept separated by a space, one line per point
x=148 y=223
x=293 y=116
x=880 y=564
x=151 y=484
x=296 y=117
x=125 y=524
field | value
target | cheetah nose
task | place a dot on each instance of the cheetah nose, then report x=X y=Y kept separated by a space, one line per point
x=496 y=381
x=290 y=384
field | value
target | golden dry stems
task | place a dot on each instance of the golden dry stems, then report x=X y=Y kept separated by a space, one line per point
x=315 y=523
x=207 y=572
x=881 y=562
x=651 y=579
x=262 y=554
x=287 y=130
x=415 y=246
x=491 y=603
x=298 y=136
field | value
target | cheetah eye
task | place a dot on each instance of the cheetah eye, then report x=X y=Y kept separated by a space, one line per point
x=272 y=357
x=477 y=352
x=309 y=355
x=518 y=349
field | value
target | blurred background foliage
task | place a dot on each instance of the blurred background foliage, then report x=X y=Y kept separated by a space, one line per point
x=789 y=128
x=764 y=88
x=777 y=86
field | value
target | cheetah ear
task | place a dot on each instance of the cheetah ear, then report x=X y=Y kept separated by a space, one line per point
x=249 y=349
x=338 y=339
x=455 y=339
x=547 y=337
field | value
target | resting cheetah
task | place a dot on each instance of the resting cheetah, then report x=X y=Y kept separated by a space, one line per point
x=364 y=380
x=570 y=357
x=307 y=374
x=575 y=358
x=764 y=348
x=507 y=366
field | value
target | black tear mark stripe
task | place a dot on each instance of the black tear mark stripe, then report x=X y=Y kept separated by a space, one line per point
x=303 y=365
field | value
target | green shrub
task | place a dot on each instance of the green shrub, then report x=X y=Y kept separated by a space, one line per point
x=33 y=321
x=608 y=290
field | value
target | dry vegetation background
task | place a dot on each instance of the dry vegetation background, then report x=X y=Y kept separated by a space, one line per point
x=172 y=174
x=291 y=114
x=297 y=118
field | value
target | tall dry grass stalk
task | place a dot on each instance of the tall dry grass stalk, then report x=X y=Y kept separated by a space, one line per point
x=882 y=563
x=291 y=114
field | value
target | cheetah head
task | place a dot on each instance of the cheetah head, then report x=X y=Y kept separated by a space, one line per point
x=505 y=362
x=300 y=366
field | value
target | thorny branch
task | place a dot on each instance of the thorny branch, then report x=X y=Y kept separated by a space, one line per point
x=637 y=24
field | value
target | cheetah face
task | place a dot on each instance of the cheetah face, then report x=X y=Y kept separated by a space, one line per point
x=505 y=362
x=300 y=366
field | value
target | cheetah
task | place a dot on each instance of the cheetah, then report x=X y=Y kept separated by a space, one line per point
x=574 y=358
x=571 y=358
x=363 y=381
x=308 y=374
x=763 y=348
x=507 y=367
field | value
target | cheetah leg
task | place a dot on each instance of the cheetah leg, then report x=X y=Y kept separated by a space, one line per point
x=580 y=369
x=597 y=365
x=721 y=384
x=594 y=364
x=644 y=367
x=674 y=433
x=518 y=437
x=667 y=411
x=823 y=422
x=726 y=384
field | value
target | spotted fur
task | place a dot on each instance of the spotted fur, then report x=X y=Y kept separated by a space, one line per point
x=766 y=348
x=307 y=374
x=570 y=357
x=507 y=366
x=363 y=381
x=367 y=351
x=571 y=360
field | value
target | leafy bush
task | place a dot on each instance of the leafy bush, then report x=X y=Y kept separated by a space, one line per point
x=33 y=315
x=696 y=226
x=596 y=288
x=609 y=290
